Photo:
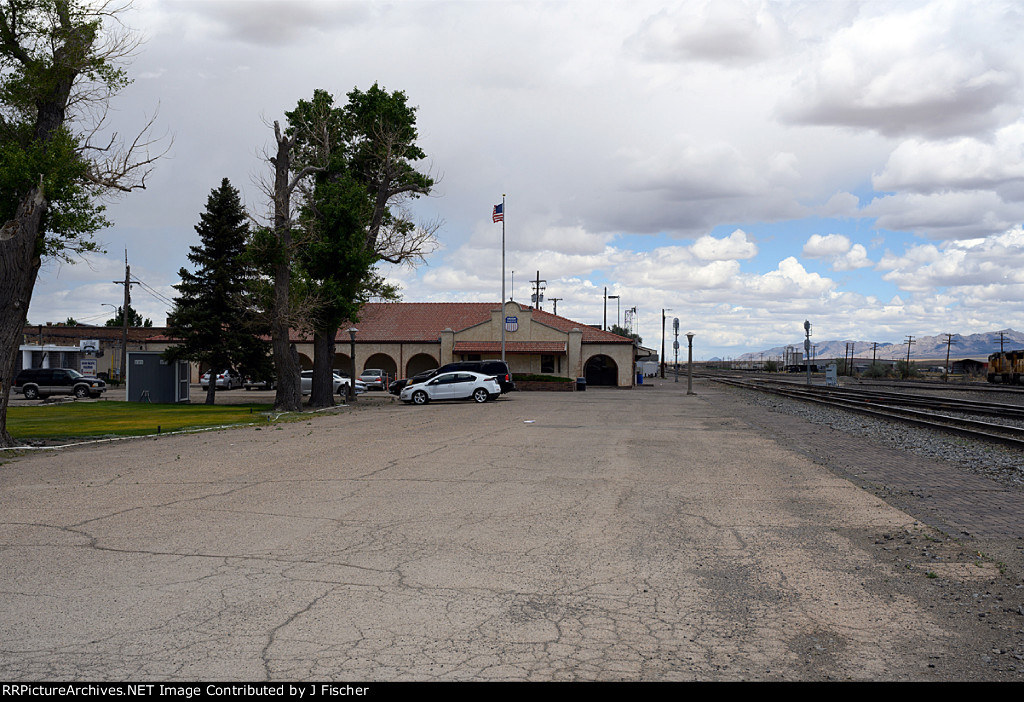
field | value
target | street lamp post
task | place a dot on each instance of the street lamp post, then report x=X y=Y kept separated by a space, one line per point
x=352 y=364
x=606 y=298
x=675 y=344
x=124 y=339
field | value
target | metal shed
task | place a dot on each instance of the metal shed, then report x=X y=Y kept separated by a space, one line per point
x=151 y=378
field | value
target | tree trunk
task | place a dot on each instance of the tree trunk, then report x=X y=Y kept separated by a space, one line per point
x=289 y=390
x=322 y=393
x=20 y=245
x=211 y=389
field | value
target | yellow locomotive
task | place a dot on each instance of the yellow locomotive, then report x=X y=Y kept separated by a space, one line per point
x=1007 y=366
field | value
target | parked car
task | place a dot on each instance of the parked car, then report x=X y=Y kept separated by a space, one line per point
x=396 y=387
x=374 y=378
x=37 y=383
x=226 y=380
x=462 y=385
x=252 y=383
x=497 y=368
x=340 y=384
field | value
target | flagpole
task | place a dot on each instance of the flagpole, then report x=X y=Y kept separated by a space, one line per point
x=502 y=320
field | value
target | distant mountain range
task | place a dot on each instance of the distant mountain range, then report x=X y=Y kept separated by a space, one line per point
x=930 y=347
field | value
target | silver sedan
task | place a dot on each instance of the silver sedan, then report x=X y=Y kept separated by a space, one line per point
x=339 y=384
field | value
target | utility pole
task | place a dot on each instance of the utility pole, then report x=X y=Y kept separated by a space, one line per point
x=536 y=291
x=910 y=340
x=127 y=283
x=555 y=301
x=949 y=342
x=807 y=348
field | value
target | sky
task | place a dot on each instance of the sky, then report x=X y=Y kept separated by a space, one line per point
x=744 y=165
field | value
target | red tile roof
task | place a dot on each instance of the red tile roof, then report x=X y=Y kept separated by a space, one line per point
x=424 y=322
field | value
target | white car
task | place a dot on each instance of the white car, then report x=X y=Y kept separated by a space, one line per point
x=226 y=380
x=458 y=385
x=340 y=384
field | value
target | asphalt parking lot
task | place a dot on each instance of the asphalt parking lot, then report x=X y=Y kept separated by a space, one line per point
x=609 y=535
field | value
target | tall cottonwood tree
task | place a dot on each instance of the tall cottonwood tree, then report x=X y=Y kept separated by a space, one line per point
x=59 y=66
x=212 y=316
x=362 y=156
x=276 y=249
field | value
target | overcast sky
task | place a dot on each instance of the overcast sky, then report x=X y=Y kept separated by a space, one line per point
x=748 y=165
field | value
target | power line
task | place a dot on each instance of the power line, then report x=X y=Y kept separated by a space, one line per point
x=154 y=293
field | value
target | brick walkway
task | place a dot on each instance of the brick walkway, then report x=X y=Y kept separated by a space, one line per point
x=935 y=492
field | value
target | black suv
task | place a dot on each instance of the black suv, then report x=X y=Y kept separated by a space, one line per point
x=35 y=383
x=499 y=369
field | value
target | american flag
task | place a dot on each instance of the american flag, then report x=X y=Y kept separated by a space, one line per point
x=498 y=215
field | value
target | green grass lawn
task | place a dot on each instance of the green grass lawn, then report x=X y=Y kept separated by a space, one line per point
x=94 y=419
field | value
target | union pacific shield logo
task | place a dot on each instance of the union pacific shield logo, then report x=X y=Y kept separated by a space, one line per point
x=511 y=324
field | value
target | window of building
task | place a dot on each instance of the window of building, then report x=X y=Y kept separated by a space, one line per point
x=547 y=364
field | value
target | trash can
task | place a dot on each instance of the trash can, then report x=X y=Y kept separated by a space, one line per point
x=640 y=378
x=581 y=384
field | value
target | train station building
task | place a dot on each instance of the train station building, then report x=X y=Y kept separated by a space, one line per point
x=406 y=338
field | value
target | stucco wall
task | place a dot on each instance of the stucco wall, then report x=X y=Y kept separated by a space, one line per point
x=400 y=353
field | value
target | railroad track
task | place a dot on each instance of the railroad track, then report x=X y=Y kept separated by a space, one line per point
x=897 y=407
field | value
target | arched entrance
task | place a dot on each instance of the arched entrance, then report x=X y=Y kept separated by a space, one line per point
x=383 y=362
x=601 y=370
x=419 y=363
x=343 y=363
x=305 y=361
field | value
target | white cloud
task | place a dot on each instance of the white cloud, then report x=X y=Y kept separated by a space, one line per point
x=838 y=250
x=790 y=279
x=265 y=22
x=935 y=69
x=856 y=257
x=839 y=205
x=967 y=163
x=686 y=170
x=827 y=246
x=946 y=215
x=723 y=32
x=735 y=246
x=997 y=260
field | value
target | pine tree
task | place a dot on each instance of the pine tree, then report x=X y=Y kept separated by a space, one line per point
x=134 y=319
x=211 y=315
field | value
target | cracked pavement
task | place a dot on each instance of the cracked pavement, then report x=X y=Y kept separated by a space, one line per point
x=622 y=535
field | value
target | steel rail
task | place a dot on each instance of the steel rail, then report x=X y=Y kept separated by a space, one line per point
x=1008 y=436
x=991 y=409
